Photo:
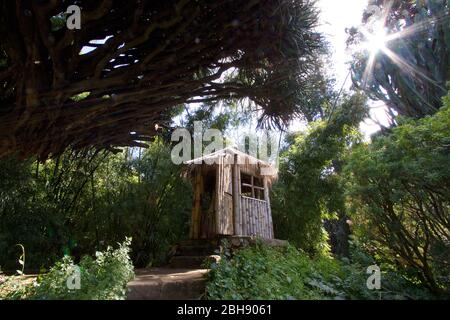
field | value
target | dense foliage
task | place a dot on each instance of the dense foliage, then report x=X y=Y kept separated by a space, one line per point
x=262 y=272
x=109 y=83
x=343 y=203
x=308 y=170
x=392 y=194
x=80 y=203
x=399 y=185
x=102 y=278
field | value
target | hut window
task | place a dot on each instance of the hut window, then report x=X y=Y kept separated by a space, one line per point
x=252 y=186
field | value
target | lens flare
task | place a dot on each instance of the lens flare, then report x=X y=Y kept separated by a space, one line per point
x=377 y=42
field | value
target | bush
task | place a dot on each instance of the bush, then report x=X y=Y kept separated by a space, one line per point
x=262 y=272
x=398 y=188
x=77 y=203
x=103 y=278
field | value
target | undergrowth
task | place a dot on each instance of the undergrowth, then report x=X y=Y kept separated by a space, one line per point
x=262 y=272
x=102 y=278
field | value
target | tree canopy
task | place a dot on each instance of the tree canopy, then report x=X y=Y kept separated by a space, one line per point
x=409 y=72
x=113 y=82
x=308 y=170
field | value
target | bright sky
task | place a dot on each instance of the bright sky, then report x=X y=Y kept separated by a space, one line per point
x=336 y=16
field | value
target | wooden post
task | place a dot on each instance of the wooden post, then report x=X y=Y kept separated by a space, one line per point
x=252 y=182
x=237 y=215
x=269 y=211
x=219 y=193
x=195 y=223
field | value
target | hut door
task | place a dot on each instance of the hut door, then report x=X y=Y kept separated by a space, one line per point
x=207 y=206
x=224 y=200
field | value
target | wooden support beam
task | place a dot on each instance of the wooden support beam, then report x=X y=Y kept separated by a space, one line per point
x=237 y=214
x=196 y=209
x=218 y=198
x=269 y=211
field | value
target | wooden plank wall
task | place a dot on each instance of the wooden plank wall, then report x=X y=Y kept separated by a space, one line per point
x=236 y=191
x=196 y=208
x=224 y=201
x=269 y=213
x=226 y=217
x=258 y=220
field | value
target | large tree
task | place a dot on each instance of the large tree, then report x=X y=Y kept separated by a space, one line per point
x=309 y=188
x=399 y=187
x=111 y=82
x=410 y=69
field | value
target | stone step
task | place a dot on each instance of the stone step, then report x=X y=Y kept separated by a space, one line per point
x=187 y=261
x=167 y=284
x=199 y=242
x=191 y=261
x=196 y=250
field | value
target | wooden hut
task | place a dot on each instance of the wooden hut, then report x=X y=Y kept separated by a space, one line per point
x=231 y=195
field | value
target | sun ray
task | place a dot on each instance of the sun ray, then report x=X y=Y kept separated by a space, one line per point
x=368 y=70
x=416 y=27
x=402 y=64
x=377 y=41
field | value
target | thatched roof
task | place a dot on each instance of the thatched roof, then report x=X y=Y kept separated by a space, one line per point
x=246 y=162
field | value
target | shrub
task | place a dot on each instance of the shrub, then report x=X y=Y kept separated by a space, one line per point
x=398 y=189
x=77 y=203
x=102 y=278
x=262 y=272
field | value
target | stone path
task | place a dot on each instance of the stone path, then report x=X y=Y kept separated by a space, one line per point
x=167 y=284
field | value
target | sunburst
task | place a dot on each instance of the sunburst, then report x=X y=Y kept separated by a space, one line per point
x=377 y=41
